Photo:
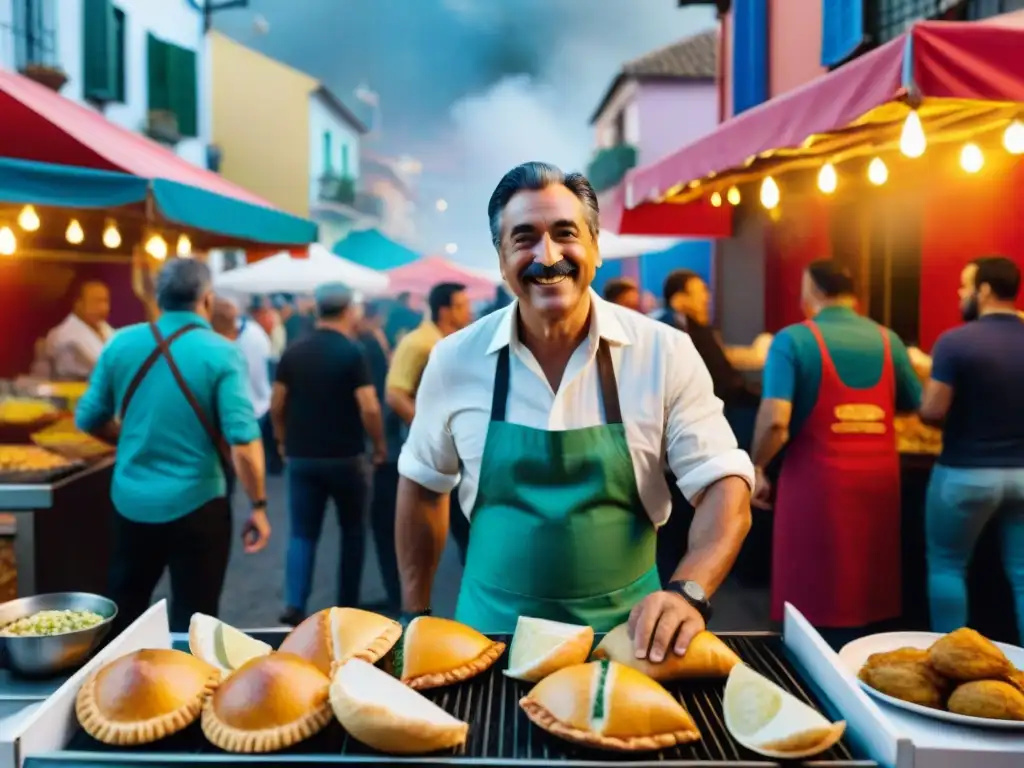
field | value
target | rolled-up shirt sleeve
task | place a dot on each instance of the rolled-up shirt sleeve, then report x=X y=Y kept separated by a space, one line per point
x=97 y=407
x=700 y=445
x=234 y=408
x=429 y=456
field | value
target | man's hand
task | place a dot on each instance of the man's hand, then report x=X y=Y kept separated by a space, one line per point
x=380 y=455
x=761 y=498
x=658 y=620
x=255 y=532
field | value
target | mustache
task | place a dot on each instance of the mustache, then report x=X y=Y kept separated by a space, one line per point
x=543 y=272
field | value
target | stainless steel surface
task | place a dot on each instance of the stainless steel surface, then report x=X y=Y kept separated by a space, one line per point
x=35 y=497
x=40 y=655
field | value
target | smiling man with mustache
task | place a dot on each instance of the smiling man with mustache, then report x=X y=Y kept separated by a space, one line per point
x=559 y=413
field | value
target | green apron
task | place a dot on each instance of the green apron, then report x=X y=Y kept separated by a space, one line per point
x=558 y=530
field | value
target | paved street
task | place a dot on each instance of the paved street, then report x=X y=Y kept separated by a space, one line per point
x=253 y=595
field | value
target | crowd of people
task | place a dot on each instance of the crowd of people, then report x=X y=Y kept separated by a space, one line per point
x=595 y=459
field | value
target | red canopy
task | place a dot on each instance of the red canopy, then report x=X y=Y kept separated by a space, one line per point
x=423 y=274
x=981 y=61
x=40 y=124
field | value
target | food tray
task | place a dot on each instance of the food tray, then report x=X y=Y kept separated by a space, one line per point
x=500 y=733
x=40 y=476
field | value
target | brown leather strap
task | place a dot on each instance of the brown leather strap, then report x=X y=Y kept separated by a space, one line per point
x=609 y=389
x=148 y=364
x=211 y=429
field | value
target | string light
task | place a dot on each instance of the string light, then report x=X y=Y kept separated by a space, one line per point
x=827 y=179
x=716 y=199
x=912 y=139
x=111 y=237
x=28 y=219
x=74 y=234
x=156 y=247
x=971 y=158
x=769 y=193
x=8 y=242
x=1013 y=138
x=878 y=174
x=184 y=247
x=733 y=196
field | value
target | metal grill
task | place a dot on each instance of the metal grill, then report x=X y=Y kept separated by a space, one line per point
x=500 y=733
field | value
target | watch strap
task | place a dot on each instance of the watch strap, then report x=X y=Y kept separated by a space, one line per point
x=259 y=505
x=703 y=607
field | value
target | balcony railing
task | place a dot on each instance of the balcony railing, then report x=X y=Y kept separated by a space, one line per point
x=341 y=190
x=610 y=165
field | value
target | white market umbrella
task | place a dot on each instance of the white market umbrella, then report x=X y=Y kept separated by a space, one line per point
x=614 y=246
x=284 y=274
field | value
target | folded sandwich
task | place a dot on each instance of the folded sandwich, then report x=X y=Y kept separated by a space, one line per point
x=332 y=636
x=707 y=656
x=436 y=652
x=609 y=706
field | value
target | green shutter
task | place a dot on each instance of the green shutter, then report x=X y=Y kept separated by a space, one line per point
x=157 y=61
x=344 y=161
x=182 y=77
x=120 y=30
x=98 y=48
x=328 y=165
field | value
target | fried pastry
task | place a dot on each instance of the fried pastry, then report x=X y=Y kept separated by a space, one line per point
x=965 y=655
x=144 y=696
x=609 y=706
x=707 y=656
x=992 y=699
x=332 y=636
x=436 y=652
x=905 y=674
x=269 y=703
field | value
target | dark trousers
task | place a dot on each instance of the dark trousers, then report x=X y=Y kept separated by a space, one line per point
x=311 y=483
x=195 y=548
x=459 y=526
x=382 y=523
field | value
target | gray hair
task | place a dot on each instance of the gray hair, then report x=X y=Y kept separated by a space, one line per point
x=332 y=299
x=536 y=176
x=181 y=284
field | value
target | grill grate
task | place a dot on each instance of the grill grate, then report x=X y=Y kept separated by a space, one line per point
x=500 y=733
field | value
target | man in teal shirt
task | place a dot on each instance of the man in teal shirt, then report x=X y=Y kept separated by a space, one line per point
x=185 y=415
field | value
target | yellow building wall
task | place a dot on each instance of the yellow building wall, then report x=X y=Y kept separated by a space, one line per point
x=261 y=123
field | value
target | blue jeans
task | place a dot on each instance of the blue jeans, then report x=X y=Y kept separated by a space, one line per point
x=960 y=503
x=311 y=483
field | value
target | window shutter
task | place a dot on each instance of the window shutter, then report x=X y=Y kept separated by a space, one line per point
x=98 y=49
x=181 y=78
x=328 y=165
x=750 y=60
x=842 y=30
x=344 y=161
x=157 y=67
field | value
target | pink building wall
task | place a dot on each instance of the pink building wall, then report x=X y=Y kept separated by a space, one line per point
x=673 y=114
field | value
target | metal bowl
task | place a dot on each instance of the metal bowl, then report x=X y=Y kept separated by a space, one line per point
x=42 y=655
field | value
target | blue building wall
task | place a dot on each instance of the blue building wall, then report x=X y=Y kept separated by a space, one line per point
x=695 y=255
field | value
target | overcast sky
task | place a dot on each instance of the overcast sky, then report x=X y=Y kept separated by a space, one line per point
x=468 y=87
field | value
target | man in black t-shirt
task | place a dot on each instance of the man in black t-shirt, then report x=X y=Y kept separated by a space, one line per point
x=324 y=406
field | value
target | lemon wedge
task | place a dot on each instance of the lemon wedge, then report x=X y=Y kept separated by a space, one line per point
x=540 y=647
x=220 y=644
x=772 y=722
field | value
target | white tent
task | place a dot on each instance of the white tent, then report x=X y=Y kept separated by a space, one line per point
x=624 y=246
x=284 y=274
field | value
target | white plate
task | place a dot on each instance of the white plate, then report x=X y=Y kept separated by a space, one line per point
x=854 y=655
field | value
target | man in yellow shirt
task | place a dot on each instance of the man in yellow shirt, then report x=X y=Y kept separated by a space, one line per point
x=450 y=311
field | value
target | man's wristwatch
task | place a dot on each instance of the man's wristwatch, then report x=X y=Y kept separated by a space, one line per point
x=693 y=593
x=259 y=506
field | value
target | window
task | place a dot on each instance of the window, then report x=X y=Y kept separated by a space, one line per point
x=103 y=48
x=894 y=17
x=35 y=33
x=173 y=83
x=983 y=9
x=328 y=165
x=344 y=161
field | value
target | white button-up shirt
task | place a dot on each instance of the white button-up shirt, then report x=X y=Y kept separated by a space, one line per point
x=255 y=345
x=669 y=409
x=73 y=348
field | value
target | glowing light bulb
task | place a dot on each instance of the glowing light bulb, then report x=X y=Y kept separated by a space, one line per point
x=28 y=219
x=971 y=158
x=716 y=199
x=1013 y=138
x=441 y=205
x=184 y=247
x=111 y=237
x=733 y=196
x=912 y=139
x=156 y=247
x=74 y=234
x=8 y=242
x=451 y=249
x=769 y=193
x=827 y=179
x=878 y=174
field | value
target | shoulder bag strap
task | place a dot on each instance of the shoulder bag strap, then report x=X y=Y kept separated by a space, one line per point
x=148 y=363
x=211 y=429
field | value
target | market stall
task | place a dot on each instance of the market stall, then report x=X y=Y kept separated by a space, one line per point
x=418 y=277
x=286 y=274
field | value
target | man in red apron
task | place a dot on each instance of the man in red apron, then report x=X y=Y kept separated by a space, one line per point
x=831 y=388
